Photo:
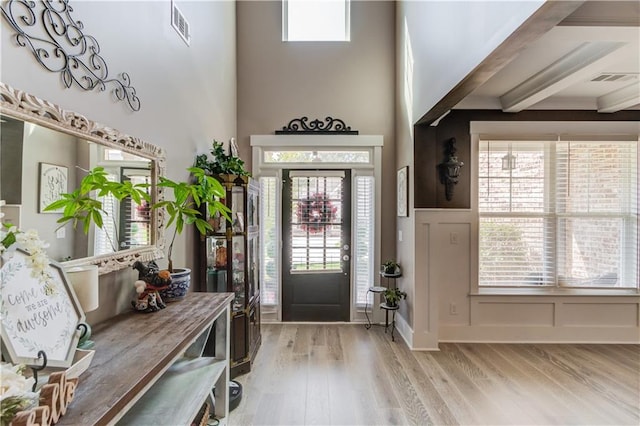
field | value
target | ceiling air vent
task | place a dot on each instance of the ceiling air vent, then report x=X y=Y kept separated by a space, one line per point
x=180 y=24
x=615 y=76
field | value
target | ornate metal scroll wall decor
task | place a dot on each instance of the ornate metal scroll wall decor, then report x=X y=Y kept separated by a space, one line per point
x=327 y=127
x=61 y=46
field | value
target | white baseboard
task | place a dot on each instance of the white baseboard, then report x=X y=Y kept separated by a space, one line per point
x=539 y=334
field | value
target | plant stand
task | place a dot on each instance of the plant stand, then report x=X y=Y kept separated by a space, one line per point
x=393 y=310
x=374 y=290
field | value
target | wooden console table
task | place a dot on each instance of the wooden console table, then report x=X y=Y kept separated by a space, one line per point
x=157 y=368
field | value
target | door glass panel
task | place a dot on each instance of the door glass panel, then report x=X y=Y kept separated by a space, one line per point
x=316 y=219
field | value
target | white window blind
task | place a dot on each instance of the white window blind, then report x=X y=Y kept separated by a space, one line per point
x=269 y=278
x=558 y=213
x=106 y=238
x=363 y=247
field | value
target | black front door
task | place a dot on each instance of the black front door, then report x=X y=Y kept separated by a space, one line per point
x=316 y=230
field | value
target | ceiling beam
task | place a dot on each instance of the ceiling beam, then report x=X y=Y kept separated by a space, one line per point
x=620 y=99
x=577 y=66
x=540 y=22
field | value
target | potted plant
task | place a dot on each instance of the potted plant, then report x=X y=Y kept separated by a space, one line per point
x=222 y=163
x=184 y=209
x=393 y=295
x=391 y=267
x=82 y=207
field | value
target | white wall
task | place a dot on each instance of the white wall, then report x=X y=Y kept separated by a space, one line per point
x=188 y=93
x=437 y=44
x=446 y=273
x=450 y=38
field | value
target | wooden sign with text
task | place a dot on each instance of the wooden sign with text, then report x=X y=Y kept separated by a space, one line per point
x=34 y=319
x=55 y=397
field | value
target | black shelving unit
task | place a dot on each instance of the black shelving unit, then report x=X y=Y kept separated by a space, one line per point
x=229 y=262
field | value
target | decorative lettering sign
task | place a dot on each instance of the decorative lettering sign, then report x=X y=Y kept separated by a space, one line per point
x=32 y=319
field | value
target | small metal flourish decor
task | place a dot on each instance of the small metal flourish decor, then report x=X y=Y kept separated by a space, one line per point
x=328 y=126
x=61 y=46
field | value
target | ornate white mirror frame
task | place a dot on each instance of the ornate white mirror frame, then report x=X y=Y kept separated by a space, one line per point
x=20 y=105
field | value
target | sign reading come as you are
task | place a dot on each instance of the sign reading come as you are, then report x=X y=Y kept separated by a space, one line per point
x=36 y=317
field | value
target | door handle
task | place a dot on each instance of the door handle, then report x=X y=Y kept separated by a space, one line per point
x=345 y=257
x=345 y=247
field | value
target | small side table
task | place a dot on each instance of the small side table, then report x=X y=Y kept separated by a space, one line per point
x=374 y=290
x=393 y=310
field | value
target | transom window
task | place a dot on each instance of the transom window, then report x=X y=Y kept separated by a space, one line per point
x=316 y=156
x=558 y=213
x=315 y=20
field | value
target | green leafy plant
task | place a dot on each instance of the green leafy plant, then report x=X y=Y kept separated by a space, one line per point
x=393 y=295
x=83 y=206
x=188 y=197
x=390 y=267
x=222 y=163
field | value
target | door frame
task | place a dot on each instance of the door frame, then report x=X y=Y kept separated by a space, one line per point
x=372 y=143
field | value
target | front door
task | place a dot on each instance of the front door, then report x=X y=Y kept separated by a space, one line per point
x=316 y=231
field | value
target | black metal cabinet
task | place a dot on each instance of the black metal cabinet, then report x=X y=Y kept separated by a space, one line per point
x=229 y=261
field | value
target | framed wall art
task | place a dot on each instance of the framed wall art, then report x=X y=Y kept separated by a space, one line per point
x=403 y=192
x=53 y=182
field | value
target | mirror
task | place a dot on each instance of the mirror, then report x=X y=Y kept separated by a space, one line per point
x=45 y=150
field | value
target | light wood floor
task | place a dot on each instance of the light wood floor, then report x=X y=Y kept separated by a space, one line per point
x=345 y=374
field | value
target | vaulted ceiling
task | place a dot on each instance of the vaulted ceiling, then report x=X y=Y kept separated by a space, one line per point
x=590 y=61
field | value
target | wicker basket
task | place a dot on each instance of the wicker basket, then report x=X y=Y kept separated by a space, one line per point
x=203 y=416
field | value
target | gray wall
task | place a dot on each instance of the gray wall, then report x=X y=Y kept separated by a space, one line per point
x=354 y=81
x=188 y=93
x=52 y=147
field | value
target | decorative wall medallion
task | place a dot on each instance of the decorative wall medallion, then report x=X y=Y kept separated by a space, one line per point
x=328 y=126
x=58 y=44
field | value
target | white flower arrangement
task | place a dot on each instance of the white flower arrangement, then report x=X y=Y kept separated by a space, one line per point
x=37 y=260
x=15 y=392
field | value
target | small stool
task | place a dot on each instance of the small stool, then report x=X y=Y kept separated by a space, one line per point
x=393 y=310
x=371 y=290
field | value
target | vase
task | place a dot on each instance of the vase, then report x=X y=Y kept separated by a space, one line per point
x=180 y=281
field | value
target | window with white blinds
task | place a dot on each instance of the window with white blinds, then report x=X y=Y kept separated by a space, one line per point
x=559 y=213
x=135 y=223
x=363 y=245
x=106 y=238
x=269 y=278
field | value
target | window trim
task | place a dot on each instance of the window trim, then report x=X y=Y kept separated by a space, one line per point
x=530 y=130
x=260 y=143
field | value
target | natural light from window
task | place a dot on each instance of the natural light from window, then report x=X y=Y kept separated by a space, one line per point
x=558 y=213
x=315 y=20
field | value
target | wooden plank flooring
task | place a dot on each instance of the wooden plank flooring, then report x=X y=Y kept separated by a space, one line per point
x=331 y=374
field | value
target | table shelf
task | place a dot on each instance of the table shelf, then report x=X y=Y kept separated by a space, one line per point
x=170 y=401
x=140 y=365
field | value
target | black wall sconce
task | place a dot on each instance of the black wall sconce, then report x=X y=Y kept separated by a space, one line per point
x=450 y=168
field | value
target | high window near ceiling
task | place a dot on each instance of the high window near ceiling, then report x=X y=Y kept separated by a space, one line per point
x=315 y=20
x=558 y=213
